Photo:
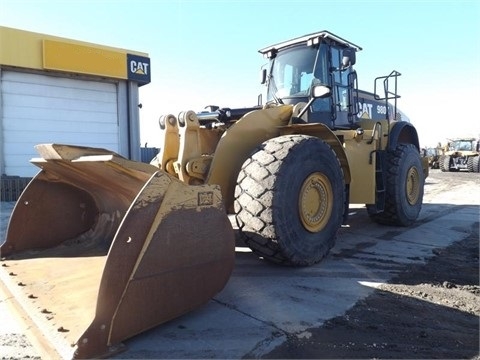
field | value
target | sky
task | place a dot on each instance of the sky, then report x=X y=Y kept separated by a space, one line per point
x=206 y=52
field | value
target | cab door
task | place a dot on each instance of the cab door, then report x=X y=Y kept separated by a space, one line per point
x=344 y=81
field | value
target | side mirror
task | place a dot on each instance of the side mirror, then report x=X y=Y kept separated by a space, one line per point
x=348 y=58
x=318 y=91
x=321 y=91
x=263 y=76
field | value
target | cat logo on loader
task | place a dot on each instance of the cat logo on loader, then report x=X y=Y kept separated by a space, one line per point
x=109 y=248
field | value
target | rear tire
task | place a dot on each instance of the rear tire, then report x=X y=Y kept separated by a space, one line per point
x=404 y=187
x=289 y=200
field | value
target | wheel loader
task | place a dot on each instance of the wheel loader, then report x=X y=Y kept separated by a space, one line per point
x=105 y=248
x=434 y=154
x=460 y=154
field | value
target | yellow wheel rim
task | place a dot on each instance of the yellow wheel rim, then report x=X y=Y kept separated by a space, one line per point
x=413 y=186
x=315 y=202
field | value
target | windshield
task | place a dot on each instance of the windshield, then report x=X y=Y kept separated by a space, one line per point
x=459 y=145
x=292 y=72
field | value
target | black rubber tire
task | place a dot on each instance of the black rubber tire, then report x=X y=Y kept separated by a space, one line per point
x=404 y=170
x=445 y=164
x=267 y=202
x=440 y=162
x=470 y=164
x=473 y=164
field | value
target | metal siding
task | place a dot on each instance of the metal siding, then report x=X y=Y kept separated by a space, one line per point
x=134 y=123
x=123 y=121
x=2 y=157
x=47 y=109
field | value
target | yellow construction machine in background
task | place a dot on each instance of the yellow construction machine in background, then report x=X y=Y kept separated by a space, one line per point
x=461 y=154
x=107 y=248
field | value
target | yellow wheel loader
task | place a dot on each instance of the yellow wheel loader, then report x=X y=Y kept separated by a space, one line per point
x=105 y=248
x=434 y=155
x=461 y=154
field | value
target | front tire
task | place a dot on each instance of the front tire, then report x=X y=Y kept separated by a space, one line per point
x=473 y=164
x=289 y=200
x=445 y=165
x=476 y=163
x=404 y=187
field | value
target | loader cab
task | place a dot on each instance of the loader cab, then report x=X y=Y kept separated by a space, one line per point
x=297 y=65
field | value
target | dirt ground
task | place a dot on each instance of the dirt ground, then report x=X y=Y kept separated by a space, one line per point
x=429 y=311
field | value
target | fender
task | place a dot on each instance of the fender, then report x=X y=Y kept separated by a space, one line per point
x=237 y=143
x=323 y=132
x=403 y=132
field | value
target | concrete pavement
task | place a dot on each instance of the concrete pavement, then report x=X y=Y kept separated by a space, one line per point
x=263 y=304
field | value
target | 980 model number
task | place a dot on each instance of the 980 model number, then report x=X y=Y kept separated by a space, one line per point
x=381 y=109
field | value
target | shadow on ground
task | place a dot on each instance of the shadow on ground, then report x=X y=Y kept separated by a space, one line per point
x=428 y=311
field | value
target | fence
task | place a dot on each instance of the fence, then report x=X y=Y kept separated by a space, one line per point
x=12 y=186
x=148 y=153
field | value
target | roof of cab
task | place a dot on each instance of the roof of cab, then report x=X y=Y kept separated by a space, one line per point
x=305 y=38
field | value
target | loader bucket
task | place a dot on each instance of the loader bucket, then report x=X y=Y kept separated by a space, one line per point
x=104 y=248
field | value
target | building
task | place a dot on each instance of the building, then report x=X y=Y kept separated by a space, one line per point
x=57 y=90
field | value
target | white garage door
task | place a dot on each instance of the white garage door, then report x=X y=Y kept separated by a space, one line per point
x=46 y=109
